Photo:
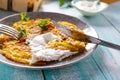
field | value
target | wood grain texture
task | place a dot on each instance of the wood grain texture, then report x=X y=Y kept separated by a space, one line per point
x=84 y=70
x=12 y=73
x=106 y=58
x=113 y=14
x=107 y=63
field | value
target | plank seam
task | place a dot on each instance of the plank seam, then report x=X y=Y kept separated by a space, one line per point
x=43 y=75
x=99 y=68
x=110 y=22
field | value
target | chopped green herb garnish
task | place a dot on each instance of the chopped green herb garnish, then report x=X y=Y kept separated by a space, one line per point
x=24 y=17
x=22 y=33
x=19 y=29
x=67 y=5
x=43 y=23
x=61 y=2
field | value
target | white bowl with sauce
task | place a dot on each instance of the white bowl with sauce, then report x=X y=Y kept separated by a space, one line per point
x=89 y=8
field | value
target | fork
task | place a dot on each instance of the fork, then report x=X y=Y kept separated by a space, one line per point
x=4 y=29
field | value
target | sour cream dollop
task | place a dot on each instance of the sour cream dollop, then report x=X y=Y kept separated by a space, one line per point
x=41 y=53
x=90 y=6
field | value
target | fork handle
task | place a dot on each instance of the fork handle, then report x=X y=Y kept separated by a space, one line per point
x=102 y=42
x=109 y=44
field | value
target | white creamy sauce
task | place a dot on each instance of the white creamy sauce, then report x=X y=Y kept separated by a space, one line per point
x=41 y=53
x=88 y=6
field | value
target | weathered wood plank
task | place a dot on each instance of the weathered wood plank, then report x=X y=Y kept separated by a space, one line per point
x=11 y=73
x=106 y=57
x=84 y=70
x=107 y=63
x=113 y=14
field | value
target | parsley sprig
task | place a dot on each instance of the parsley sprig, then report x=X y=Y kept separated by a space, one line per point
x=68 y=4
x=24 y=17
x=61 y=2
x=22 y=33
x=43 y=23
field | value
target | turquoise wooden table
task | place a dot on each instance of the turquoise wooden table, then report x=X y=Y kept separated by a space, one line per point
x=103 y=64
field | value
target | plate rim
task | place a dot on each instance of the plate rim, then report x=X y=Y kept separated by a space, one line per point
x=49 y=67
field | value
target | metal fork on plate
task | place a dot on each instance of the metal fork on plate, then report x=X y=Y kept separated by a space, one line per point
x=4 y=29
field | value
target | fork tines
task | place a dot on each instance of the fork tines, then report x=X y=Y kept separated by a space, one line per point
x=8 y=31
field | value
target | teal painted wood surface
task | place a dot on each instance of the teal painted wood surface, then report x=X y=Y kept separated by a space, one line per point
x=107 y=31
x=113 y=15
x=106 y=57
x=103 y=64
x=84 y=70
x=11 y=73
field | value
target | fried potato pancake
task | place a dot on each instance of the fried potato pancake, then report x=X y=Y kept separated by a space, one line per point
x=19 y=51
